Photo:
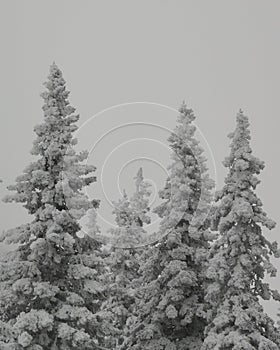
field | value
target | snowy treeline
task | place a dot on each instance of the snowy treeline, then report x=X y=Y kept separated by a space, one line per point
x=199 y=287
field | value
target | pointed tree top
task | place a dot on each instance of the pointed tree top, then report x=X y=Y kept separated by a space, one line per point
x=139 y=179
x=54 y=70
x=183 y=108
x=139 y=174
x=185 y=113
x=184 y=104
x=242 y=128
x=241 y=150
x=55 y=77
x=241 y=118
x=242 y=131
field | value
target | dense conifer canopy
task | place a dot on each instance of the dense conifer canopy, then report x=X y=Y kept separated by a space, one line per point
x=195 y=284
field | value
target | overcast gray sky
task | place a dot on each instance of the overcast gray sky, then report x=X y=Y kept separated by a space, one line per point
x=217 y=55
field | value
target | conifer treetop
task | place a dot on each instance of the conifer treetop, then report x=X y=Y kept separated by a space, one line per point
x=242 y=179
x=188 y=190
x=58 y=164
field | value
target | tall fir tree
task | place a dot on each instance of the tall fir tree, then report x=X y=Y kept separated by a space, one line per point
x=240 y=257
x=50 y=290
x=131 y=214
x=169 y=309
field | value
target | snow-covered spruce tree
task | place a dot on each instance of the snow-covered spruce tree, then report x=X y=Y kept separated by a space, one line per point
x=240 y=257
x=169 y=307
x=49 y=287
x=130 y=215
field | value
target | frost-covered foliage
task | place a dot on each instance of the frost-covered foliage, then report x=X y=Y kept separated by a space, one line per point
x=93 y=230
x=124 y=260
x=169 y=310
x=50 y=289
x=278 y=322
x=240 y=257
x=131 y=214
